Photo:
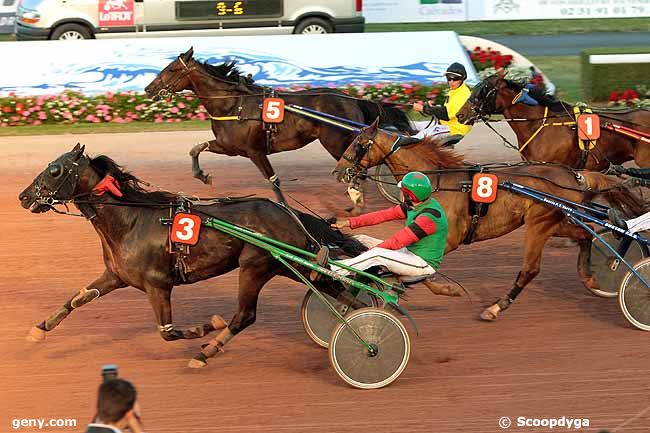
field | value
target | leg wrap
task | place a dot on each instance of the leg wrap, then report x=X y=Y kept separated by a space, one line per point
x=274 y=180
x=56 y=318
x=83 y=297
x=216 y=344
x=516 y=290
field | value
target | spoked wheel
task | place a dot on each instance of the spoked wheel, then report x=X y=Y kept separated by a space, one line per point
x=634 y=296
x=318 y=320
x=387 y=184
x=607 y=271
x=359 y=367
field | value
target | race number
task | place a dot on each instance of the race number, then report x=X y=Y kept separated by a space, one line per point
x=185 y=228
x=484 y=187
x=273 y=110
x=588 y=127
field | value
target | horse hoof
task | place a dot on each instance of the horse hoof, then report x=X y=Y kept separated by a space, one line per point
x=217 y=322
x=490 y=313
x=36 y=335
x=195 y=363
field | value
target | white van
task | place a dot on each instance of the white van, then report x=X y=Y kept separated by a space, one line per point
x=87 y=19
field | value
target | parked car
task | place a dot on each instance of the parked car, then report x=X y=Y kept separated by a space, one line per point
x=87 y=19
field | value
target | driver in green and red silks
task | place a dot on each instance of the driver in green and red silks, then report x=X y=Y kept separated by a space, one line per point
x=418 y=248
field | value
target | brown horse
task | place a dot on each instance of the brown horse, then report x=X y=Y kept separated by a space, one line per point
x=557 y=143
x=234 y=104
x=447 y=170
x=136 y=249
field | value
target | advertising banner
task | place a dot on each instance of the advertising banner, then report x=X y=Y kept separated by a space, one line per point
x=412 y=11
x=559 y=9
x=116 y=13
x=99 y=66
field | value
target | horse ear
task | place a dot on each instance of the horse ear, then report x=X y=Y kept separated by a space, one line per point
x=374 y=125
x=188 y=55
x=78 y=150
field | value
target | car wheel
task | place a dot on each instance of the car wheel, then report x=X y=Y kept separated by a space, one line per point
x=313 y=26
x=69 y=32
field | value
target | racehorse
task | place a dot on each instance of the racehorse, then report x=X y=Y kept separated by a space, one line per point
x=447 y=169
x=557 y=143
x=135 y=243
x=234 y=103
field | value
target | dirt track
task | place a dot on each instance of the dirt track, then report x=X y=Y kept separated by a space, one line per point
x=557 y=352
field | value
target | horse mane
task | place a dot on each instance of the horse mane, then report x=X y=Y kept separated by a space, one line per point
x=438 y=155
x=228 y=71
x=131 y=186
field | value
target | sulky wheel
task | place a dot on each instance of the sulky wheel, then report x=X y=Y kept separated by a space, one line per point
x=319 y=321
x=602 y=261
x=355 y=364
x=387 y=184
x=634 y=296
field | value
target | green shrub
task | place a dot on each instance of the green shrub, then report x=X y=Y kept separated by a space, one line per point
x=600 y=80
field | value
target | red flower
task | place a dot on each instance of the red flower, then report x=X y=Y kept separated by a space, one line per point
x=614 y=96
x=6 y=109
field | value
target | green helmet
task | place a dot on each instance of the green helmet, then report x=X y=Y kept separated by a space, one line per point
x=416 y=186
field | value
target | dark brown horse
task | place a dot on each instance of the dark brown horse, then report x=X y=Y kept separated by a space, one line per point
x=237 y=101
x=447 y=170
x=558 y=144
x=135 y=244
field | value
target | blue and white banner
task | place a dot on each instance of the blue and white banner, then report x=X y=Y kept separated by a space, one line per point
x=98 y=66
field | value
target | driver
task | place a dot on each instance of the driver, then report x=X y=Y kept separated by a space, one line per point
x=415 y=250
x=448 y=129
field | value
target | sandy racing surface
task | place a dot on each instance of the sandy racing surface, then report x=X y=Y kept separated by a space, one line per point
x=559 y=351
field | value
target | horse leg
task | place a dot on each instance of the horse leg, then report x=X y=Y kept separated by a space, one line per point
x=252 y=278
x=101 y=286
x=197 y=172
x=263 y=164
x=356 y=194
x=536 y=237
x=584 y=239
x=160 y=300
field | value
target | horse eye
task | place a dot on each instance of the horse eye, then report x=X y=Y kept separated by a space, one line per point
x=54 y=170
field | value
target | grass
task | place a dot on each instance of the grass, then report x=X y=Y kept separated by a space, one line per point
x=564 y=72
x=533 y=27
x=89 y=128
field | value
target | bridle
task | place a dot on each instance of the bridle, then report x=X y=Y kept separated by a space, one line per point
x=167 y=90
x=362 y=150
x=487 y=104
x=70 y=169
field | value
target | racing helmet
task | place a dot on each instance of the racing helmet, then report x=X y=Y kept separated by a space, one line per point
x=416 y=186
x=456 y=70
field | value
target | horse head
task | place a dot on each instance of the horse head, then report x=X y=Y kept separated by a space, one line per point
x=491 y=96
x=60 y=181
x=174 y=78
x=368 y=149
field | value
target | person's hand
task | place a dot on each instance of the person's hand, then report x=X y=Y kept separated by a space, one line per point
x=134 y=421
x=339 y=225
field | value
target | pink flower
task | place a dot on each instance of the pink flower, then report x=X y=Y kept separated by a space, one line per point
x=108 y=118
x=36 y=122
x=42 y=115
x=157 y=120
x=118 y=120
x=26 y=113
x=181 y=105
x=174 y=110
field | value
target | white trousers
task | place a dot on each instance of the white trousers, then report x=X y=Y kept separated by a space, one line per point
x=436 y=130
x=399 y=262
x=640 y=223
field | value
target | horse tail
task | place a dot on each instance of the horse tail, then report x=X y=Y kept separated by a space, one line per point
x=389 y=116
x=618 y=194
x=326 y=235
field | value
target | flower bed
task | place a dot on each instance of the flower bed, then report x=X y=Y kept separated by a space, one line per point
x=72 y=107
x=639 y=97
x=487 y=61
